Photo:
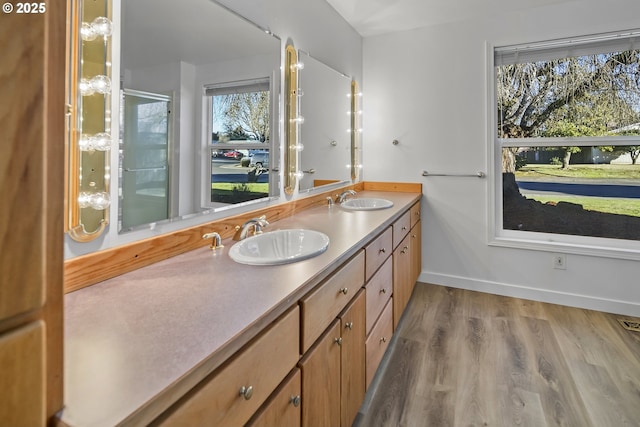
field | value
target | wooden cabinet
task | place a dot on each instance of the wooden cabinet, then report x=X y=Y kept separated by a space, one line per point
x=406 y=265
x=321 y=380
x=324 y=303
x=22 y=360
x=333 y=370
x=401 y=228
x=352 y=389
x=233 y=394
x=402 y=278
x=283 y=407
x=378 y=340
x=379 y=290
x=377 y=252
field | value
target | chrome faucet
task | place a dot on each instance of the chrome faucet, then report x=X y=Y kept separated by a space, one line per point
x=344 y=195
x=216 y=243
x=257 y=223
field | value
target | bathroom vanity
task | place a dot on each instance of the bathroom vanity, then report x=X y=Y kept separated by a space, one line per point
x=198 y=339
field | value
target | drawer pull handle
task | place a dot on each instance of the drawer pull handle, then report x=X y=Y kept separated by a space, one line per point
x=246 y=392
x=349 y=325
x=344 y=291
x=383 y=291
x=382 y=251
x=405 y=249
x=383 y=339
x=338 y=341
x=295 y=400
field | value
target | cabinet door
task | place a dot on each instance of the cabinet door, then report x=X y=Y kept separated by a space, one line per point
x=321 y=380
x=22 y=376
x=402 y=278
x=353 y=358
x=283 y=407
x=416 y=252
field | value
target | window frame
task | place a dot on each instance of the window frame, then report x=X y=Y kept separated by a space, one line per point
x=550 y=242
x=240 y=86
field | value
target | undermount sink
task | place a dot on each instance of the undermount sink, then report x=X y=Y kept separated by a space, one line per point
x=279 y=247
x=366 y=204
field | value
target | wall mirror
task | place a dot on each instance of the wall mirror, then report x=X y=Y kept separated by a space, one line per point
x=325 y=104
x=199 y=110
x=195 y=92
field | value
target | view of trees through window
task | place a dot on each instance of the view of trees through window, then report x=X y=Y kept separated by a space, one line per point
x=240 y=126
x=568 y=131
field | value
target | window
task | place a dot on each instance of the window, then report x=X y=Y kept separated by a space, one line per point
x=239 y=122
x=567 y=141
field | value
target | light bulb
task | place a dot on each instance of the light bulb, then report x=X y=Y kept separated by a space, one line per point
x=102 y=26
x=297 y=66
x=102 y=141
x=299 y=120
x=298 y=147
x=101 y=84
x=100 y=200
x=87 y=32
x=84 y=199
x=85 y=143
x=86 y=88
x=299 y=175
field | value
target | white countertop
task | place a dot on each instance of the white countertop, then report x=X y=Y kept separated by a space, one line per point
x=135 y=343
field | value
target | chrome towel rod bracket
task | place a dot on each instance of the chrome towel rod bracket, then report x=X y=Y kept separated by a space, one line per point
x=477 y=174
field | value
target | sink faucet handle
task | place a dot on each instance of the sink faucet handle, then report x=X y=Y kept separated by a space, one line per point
x=216 y=242
x=344 y=195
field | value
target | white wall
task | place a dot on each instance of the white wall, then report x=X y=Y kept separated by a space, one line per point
x=427 y=88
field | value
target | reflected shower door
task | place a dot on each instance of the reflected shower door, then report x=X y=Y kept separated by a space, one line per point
x=144 y=158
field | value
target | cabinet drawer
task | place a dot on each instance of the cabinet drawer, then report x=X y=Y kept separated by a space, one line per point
x=400 y=228
x=283 y=407
x=377 y=252
x=378 y=340
x=379 y=290
x=415 y=214
x=322 y=305
x=259 y=368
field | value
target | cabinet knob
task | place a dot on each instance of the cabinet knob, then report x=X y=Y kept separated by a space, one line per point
x=295 y=400
x=405 y=249
x=338 y=341
x=349 y=325
x=382 y=251
x=246 y=392
x=383 y=291
x=414 y=236
x=383 y=339
x=344 y=290
x=404 y=227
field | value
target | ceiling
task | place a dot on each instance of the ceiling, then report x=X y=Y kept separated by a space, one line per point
x=374 y=17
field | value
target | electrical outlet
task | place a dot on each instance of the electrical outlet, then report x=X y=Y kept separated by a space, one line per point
x=559 y=262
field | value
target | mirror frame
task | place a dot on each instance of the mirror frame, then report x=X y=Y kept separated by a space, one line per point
x=87 y=167
x=291 y=119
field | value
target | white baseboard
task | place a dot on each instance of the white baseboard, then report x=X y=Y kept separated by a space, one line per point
x=535 y=294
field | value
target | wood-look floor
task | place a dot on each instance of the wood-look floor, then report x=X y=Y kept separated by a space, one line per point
x=464 y=358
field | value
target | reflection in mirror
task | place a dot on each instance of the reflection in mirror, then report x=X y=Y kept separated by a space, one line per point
x=199 y=111
x=325 y=103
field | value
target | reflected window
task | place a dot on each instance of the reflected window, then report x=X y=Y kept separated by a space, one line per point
x=239 y=148
x=567 y=140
